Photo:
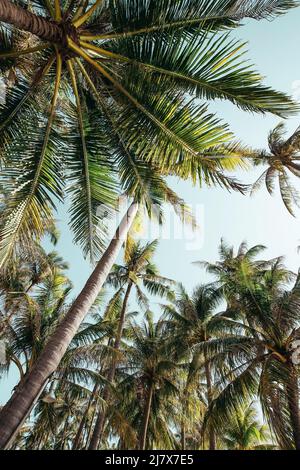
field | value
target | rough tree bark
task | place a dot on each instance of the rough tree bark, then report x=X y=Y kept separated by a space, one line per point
x=25 y=20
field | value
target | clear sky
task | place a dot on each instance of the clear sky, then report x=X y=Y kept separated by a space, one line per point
x=261 y=219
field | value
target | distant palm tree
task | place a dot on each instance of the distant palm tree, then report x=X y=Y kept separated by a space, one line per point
x=234 y=265
x=233 y=269
x=255 y=355
x=245 y=432
x=150 y=383
x=33 y=314
x=189 y=321
x=284 y=157
x=138 y=270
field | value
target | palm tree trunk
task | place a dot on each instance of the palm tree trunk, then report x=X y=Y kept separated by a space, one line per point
x=147 y=411
x=212 y=438
x=293 y=403
x=182 y=436
x=27 y=21
x=98 y=430
x=78 y=436
x=18 y=407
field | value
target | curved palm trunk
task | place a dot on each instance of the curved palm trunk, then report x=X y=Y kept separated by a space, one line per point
x=147 y=411
x=17 y=408
x=98 y=430
x=27 y=21
x=293 y=402
x=212 y=438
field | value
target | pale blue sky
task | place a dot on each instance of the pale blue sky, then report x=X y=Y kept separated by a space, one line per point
x=259 y=220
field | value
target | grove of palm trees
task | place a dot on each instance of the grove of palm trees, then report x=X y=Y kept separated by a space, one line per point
x=113 y=115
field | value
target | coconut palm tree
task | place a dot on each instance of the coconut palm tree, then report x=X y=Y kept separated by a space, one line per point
x=149 y=384
x=234 y=269
x=233 y=265
x=189 y=320
x=34 y=312
x=86 y=92
x=283 y=158
x=246 y=432
x=137 y=270
x=257 y=356
x=91 y=85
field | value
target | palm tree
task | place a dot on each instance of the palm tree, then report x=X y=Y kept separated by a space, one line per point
x=138 y=269
x=101 y=88
x=21 y=278
x=190 y=319
x=234 y=269
x=245 y=432
x=114 y=107
x=283 y=158
x=256 y=356
x=233 y=265
x=33 y=313
x=149 y=383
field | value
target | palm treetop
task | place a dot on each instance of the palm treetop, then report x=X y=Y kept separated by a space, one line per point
x=139 y=271
x=283 y=158
x=234 y=265
x=255 y=353
x=106 y=93
x=246 y=432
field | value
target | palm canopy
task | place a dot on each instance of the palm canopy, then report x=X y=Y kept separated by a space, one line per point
x=27 y=276
x=139 y=271
x=245 y=432
x=253 y=355
x=104 y=92
x=149 y=382
x=32 y=303
x=233 y=268
x=283 y=158
x=189 y=317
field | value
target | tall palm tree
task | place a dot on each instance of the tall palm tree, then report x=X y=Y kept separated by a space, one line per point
x=245 y=432
x=256 y=356
x=234 y=269
x=137 y=270
x=190 y=319
x=149 y=382
x=111 y=102
x=283 y=158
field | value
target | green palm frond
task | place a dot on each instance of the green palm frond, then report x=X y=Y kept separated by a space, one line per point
x=211 y=66
x=282 y=158
x=142 y=16
x=91 y=182
x=34 y=182
x=289 y=194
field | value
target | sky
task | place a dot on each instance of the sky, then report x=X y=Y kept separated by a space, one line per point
x=260 y=219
